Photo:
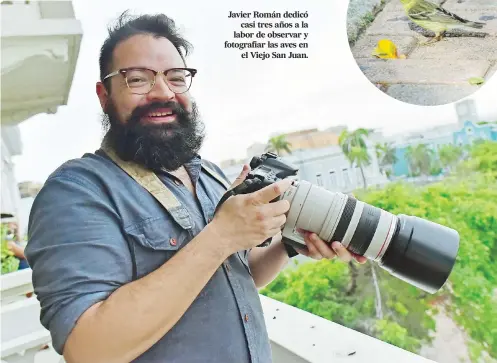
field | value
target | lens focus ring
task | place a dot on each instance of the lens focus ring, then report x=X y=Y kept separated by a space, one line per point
x=345 y=218
x=365 y=230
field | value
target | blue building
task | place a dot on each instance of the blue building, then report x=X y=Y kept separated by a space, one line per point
x=471 y=132
x=464 y=133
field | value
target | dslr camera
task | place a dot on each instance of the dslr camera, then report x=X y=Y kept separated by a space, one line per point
x=415 y=250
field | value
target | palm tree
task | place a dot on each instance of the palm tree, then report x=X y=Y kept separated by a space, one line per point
x=278 y=143
x=354 y=147
x=450 y=154
x=386 y=157
x=420 y=159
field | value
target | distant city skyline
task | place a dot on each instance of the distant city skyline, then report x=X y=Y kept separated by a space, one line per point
x=466 y=110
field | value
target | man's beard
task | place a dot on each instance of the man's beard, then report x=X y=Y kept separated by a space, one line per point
x=155 y=146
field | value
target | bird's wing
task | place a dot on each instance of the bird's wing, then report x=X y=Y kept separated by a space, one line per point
x=428 y=11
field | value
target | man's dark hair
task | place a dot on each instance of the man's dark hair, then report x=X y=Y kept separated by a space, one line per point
x=126 y=26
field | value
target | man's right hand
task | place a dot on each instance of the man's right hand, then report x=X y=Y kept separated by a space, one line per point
x=246 y=220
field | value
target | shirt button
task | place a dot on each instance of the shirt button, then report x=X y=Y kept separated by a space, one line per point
x=227 y=265
x=246 y=317
x=172 y=241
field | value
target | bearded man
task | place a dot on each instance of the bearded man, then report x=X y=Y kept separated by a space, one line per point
x=129 y=261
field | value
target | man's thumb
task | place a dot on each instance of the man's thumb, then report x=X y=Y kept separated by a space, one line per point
x=240 y=178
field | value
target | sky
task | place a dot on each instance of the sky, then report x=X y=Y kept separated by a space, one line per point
x=241 y=101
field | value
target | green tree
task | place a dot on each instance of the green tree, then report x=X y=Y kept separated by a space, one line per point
x=420 y=159
x=355 y=149
x=278 y=143
x=387 y=157
x=467 y=202
x=450 y=155
x=324 y=288
x=482 y=157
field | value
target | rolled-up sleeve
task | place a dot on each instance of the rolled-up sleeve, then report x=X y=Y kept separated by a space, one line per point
x=77 y=251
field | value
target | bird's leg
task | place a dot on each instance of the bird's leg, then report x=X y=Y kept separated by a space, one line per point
x=428 y=42
x=432 y=41
x=440 y=36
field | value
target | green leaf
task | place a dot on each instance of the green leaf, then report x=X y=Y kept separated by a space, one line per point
x=476 y=81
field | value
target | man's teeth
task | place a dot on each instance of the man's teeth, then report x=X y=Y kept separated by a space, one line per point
x=160 y=114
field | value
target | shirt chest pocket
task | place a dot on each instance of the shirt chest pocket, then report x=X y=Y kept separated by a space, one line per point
x=154 y=241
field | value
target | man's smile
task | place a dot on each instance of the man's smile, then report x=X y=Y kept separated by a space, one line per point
x=162 y=115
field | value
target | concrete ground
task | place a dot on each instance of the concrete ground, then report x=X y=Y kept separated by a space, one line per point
x=436 y=74
x=449 y=344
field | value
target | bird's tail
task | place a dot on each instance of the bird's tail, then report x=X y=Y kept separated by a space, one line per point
x=463 y=22
x=474 y=24
x=468 y=23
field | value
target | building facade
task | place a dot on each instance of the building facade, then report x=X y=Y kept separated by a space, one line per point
x=298 y=141
x=329 y=168
x=11 y=146
x=40 y=43
x=465 y=132
x=312 y=138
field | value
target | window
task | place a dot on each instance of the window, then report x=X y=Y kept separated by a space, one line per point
x=319 y=179
x=346 y=177
x=333 y=179
x=358 y=176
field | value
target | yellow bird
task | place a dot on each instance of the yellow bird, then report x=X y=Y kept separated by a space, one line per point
x=435 y=18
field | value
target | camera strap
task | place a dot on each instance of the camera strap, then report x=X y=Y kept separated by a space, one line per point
x=151 y=182
x=216 y=176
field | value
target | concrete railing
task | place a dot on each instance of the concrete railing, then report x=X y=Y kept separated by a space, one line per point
x=301 y=337
x=15 y=286
x=23 y=336
x=296 y=335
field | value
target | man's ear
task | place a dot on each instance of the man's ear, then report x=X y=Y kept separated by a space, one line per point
x=103 y=95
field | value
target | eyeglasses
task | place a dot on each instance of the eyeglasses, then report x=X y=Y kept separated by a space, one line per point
x=141 y=80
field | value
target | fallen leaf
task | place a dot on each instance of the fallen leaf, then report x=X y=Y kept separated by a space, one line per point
x=476 y=81
x=386 y=49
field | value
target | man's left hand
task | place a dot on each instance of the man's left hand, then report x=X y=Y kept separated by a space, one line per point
x=318 y=249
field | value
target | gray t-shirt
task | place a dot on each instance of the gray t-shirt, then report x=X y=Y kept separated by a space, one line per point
x=92 y=229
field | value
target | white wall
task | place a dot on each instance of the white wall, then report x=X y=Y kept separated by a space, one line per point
x=25 y=205
x=10 y=146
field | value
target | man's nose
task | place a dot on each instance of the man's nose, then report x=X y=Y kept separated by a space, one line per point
x=161 y=90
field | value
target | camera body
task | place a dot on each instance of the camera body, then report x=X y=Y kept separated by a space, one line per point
x=412 y=249
x=269 y=168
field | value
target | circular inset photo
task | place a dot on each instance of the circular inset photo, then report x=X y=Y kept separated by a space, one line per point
x=424 y=52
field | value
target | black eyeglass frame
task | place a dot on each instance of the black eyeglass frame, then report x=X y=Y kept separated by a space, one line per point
x=123 y=72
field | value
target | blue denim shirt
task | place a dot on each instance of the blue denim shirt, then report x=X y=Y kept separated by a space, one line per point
x=92 y=227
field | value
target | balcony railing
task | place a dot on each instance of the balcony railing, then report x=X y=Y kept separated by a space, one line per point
x=296 y=335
